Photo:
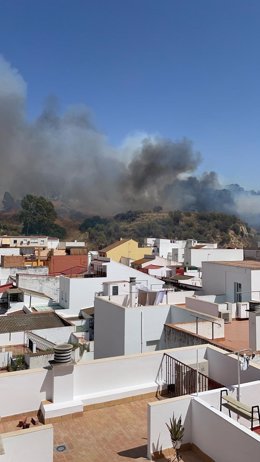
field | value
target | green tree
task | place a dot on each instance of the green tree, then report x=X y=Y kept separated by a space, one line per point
x=38 y=216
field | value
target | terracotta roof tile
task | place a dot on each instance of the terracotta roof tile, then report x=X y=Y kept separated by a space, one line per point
x=24 y=322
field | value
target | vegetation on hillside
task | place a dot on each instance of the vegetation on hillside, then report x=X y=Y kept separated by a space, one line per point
x=226 y=230
x=38 y=216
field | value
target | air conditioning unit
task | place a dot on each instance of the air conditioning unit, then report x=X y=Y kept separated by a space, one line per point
x=242 y=310
x=226 y=315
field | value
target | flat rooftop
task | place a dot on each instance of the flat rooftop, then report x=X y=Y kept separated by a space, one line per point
x=114 y=433
x=250 y=264
x=236 y=334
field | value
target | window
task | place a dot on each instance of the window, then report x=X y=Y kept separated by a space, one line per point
x=237 y=292
x=114 y=290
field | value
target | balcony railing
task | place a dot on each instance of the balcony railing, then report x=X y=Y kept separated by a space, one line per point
x=181 y=379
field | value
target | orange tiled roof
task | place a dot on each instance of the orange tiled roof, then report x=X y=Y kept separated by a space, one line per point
x=141 y=261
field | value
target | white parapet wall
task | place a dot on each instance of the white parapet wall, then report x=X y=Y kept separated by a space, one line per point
x=217 y=435
x=204 y=306
x=115 y=378
x=160 y=413
x=28 y=445
x=23 y=391
x=48 y=285
x=210 y=330
x=220 y=437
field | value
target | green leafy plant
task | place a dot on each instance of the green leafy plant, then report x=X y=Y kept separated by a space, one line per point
x=17 y=363
x=176 y=430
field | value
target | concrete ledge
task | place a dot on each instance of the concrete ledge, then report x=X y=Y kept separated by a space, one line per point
x=128 y=399
x=51 y=411
x=118 y=393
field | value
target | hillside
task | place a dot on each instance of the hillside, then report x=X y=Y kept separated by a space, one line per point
x=226 y=230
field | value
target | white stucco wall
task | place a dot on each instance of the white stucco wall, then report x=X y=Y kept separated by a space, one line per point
x=213 y=432
x=145 y=324
x=205 y=306
x=114 y=378
x=56 y=334
x=120 y=330
x=205 y=328
x=195 y=257
x=28 y=445
x=78 y=293
x=38 y=361
x=28 y=388
x=178 y=255
x=223 y=368
x=47 y=285
x=221 y=439
x=6 y=272
x=12 y=338
x=109 y=329
x=220 y=279
x=161 y=412
x=254 y=331
x=255 y=285
x=129 y=330
x=9 y=251
x=178 y=297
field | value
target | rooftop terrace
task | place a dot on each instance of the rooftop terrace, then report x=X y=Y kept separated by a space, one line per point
x=113 y=433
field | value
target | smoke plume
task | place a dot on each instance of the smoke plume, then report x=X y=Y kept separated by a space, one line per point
x=63 y=156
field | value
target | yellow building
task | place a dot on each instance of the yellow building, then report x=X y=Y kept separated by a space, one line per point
x=125 y=248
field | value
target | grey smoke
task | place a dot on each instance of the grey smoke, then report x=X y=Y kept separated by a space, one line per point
x=64 y=156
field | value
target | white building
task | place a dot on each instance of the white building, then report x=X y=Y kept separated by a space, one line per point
x=122 y=328
x=23 y=241
x=194 y=256
x=237 y=281
x=78 y=293
x=53 y=242
x=178 y=250
x=164 y=248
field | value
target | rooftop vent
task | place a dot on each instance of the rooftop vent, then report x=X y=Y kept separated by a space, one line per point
x=62 y=353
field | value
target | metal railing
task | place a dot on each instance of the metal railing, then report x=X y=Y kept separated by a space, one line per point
x=181 y=379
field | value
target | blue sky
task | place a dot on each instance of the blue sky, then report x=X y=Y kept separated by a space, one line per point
x=175 y=68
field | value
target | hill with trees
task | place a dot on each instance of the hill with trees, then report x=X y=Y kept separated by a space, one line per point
x=37 y=215
x=226 y=230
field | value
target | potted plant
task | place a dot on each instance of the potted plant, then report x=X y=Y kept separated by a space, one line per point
x=176 y=430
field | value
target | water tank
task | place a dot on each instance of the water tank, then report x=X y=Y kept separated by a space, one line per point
x=62 y=353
